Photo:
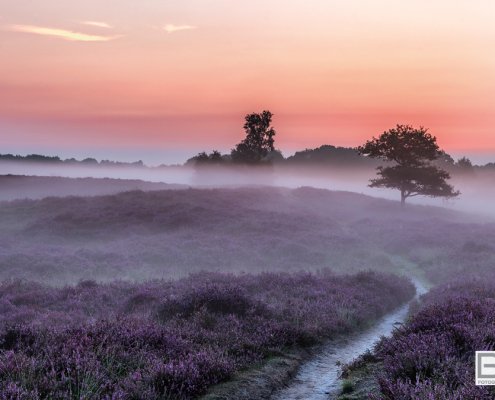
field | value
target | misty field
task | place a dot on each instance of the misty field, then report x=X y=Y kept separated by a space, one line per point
x=163 y=294
x=160 y=234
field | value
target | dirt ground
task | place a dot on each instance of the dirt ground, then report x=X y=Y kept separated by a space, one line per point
x=261 y=381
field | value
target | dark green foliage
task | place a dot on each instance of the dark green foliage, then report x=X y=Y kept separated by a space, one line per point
x=405 y=145
x=413 y=181
x=202 y=159
x=347 y=386
x=275 y=157
x=327 y=155
x=464 y=166
x=259 y=139
x=464 y=163
x=412 y=150
x=30 y=158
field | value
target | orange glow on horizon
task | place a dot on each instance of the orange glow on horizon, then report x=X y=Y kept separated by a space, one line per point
x=331 y=72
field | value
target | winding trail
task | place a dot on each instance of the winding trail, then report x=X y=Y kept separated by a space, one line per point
x=318 y=378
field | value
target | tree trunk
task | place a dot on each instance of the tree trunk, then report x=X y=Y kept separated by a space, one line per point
x=402 y=198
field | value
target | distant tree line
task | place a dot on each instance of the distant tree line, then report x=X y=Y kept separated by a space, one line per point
x=325 y=155
x=257 y=149
x=37 y=158
x=30 y=158
x=332 y=156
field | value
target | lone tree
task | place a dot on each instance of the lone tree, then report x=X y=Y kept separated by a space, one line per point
x=411 y=150
x=259 y=139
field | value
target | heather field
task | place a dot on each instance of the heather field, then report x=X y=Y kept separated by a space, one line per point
x=140 y=235
x=173 y=339
x=432 y=356
x=220 y=200
x=163 y=294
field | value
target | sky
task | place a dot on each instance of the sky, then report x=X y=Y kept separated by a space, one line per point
x=161 y=80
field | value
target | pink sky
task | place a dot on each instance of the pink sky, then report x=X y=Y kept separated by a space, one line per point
x=179 y=74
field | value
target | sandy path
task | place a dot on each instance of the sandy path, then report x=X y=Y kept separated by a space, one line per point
x=317 y=379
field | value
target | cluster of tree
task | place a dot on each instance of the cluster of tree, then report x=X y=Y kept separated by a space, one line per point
x=37 y=158
x=93 y=161
x=461 y=166
x=30 y=158
x=124 y=164
x=490 y=166
x=258 y=148
x=330 y=155
x=253 y=150
x=214 y=158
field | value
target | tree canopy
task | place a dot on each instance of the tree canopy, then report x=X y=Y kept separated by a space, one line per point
x=214 y=158
x=259 y=139
x=412 y=151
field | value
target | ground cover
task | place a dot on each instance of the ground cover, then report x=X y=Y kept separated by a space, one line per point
x=433 y=355
x=140 y=235
x=173 y=339
x=246 y=232
x=442 y=249
x=13 y=187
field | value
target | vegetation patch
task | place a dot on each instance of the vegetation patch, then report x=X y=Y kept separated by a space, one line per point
x=174 y=339
x=433 y=355
x=358 y=377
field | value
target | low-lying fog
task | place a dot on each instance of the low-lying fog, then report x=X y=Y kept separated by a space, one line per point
x=477 y=191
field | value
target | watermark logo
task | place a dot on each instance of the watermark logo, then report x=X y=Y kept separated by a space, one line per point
x=485 y=367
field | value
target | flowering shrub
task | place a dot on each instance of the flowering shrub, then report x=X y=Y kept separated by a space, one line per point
x=228 y=299
x=173 y=339
x=177 y=338
x=145 y=235
x=442 y=248
x=433 y=356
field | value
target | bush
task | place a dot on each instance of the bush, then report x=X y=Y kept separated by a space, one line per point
x=76 y=343
x=433 y=355
x=229 y=299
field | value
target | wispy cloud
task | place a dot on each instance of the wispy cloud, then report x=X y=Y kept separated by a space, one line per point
x=68 y=35
x=173 y=28
x=94 y=23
